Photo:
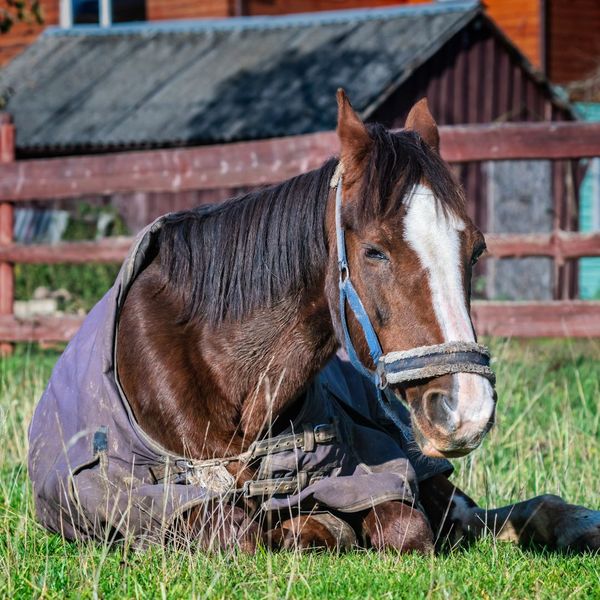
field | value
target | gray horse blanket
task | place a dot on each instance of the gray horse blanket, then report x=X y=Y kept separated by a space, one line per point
x=97 y=475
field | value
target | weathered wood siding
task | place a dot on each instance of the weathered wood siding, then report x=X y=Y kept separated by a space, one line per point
x=279 y=7
x=157 y=10
x=573 y=39
x=23 y=34
x=522 y=22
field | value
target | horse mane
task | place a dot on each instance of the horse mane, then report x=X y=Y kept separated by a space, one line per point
x=396 y=163
x=252 y=252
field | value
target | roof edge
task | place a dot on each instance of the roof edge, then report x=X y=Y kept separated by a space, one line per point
x=476 y=10
x=266 y=22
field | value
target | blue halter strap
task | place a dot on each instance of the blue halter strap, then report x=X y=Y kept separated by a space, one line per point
x=349 y=294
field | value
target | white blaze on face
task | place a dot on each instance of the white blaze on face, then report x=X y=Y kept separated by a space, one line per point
x=435 y=238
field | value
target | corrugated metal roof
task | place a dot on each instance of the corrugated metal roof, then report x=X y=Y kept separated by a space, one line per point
x=180 y=83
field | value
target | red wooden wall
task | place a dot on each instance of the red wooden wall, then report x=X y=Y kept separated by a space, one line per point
x=23 y=34
x=522 y=22
x=573 y=39
x=157 y=10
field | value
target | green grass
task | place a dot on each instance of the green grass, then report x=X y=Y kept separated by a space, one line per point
x=546 y=440
x=86 y=283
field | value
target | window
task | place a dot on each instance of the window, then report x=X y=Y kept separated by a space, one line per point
x=101 y=12
x=124 y=11
x=86 y=11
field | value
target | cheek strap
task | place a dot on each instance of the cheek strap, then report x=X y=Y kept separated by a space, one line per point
x=425 y=362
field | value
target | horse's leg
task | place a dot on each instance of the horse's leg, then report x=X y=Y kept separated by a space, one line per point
x=317 y=531
x=216 y=527
x=397 y=526
x=547 y=519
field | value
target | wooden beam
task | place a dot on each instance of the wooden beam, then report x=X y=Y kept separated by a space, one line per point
x=7 y=278
x=504 y=141
x=249 y=164
x=243 y=164
x=40 y=329
x=506 y=319
x=563 y=245
x=107 y=250
x=569 y=318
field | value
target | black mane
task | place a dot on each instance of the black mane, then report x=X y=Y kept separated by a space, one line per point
x=253 y=251
x=397 y=162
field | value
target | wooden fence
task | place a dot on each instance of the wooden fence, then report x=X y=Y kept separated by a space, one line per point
x=249 y=164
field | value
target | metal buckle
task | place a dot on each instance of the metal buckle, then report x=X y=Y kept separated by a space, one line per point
x=324 y=433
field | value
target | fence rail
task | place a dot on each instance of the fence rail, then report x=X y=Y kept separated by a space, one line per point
x=565 y=245
x=554 y=318
x=249 y=164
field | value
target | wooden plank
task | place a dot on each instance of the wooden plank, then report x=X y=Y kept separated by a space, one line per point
x=242 y=164
x=41 y=329
x=520 y=141
x=7 y=277
x=108 y=250
x=247 y=164
x=563 y=245
x=506 y=319
x=569 y=318
x=6 y=269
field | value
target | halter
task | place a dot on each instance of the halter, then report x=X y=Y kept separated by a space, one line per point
x=404 y=366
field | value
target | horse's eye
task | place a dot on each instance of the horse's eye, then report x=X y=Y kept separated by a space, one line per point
x=477 y=252
x=375 y=254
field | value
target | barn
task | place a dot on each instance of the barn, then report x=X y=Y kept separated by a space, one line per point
x=184 y=83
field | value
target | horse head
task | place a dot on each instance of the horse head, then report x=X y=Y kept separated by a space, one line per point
x=406 y=249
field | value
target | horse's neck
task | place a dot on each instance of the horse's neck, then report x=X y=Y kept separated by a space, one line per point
x=271 y=357
x=211 y=390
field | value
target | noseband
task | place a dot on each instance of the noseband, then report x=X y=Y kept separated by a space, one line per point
x=405 y=366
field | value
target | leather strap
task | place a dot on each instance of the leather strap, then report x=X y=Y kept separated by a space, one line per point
x=433 y=361
x=193 y=471
x=349 y=294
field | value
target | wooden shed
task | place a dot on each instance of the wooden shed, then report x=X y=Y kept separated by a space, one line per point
x=157 y=85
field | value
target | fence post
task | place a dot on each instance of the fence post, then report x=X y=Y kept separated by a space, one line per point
x=7 y=154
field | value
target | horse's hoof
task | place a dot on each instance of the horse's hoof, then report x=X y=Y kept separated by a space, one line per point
x=588 y=542
x=581 y=532
x=320 y=531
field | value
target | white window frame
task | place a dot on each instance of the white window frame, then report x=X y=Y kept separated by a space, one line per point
x=66 y=13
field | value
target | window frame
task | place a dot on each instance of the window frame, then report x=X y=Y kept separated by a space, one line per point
x=105 y=14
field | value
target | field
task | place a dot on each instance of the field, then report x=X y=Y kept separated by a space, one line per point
x=547 y=439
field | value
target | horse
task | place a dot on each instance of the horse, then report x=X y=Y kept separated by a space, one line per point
x=240 y=306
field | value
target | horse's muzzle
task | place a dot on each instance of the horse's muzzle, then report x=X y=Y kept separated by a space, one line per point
x=454 y=424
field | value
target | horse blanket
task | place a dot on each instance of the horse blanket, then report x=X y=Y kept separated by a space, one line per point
x=96 y=474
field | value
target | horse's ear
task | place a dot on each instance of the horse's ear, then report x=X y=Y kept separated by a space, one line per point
x=420 y=120
x=355 y=141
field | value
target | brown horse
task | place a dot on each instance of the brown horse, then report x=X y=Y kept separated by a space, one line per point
x=238 y=311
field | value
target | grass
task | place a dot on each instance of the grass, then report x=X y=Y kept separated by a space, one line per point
x=85 y=283
x=546 y=440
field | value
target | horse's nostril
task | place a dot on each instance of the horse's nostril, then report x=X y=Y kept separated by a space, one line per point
x=446 y=403
x=440 y=410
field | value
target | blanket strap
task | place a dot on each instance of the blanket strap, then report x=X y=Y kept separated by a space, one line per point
x=213 y=474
